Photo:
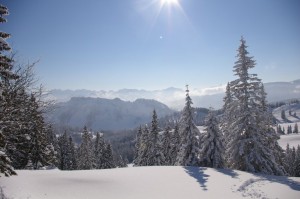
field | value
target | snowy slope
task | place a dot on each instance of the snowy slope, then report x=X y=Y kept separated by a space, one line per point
x=148 y=183
x=292 y=139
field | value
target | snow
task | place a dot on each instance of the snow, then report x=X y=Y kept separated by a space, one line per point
x=292 y=139
x=148 y=183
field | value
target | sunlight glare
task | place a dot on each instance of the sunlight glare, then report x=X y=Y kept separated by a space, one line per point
x=175 y=2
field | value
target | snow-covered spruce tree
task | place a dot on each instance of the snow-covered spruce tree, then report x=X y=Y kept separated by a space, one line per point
x=212 y=148
x=99 y=151
x=72 y=164
x=85 y=159
x=42 y=152
x=188 y=154
x=63 y=151
x=297 y=162
x=155 y=154
x=143 y=151
x=137 y=146
x=67 y=157
x=228 y=116
x=166 y=146
x=108 y=160
x=289 y=129
x=290 y=160
x=283 y=115
x=248 y=147
x=5 y=75
x=296 y=128
x=175 y=144
x=265 y=117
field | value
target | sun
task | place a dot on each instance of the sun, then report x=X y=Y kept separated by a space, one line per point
x=170 y=2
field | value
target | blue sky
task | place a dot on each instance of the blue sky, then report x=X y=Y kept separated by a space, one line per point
x=115 y=44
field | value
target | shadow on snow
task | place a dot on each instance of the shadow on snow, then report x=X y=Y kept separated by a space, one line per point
x=198 y=174
x=285 y=180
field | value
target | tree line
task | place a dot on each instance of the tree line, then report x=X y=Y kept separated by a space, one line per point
x=242 y=139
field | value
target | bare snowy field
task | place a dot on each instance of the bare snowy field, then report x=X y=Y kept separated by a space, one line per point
x=148 y=183
x=292 y=139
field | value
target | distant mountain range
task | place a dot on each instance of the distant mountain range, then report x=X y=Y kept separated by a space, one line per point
x=174 y=97
x=105 y=114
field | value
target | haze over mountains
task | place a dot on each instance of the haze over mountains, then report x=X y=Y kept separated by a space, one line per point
x=174 y=97
x=105 y=114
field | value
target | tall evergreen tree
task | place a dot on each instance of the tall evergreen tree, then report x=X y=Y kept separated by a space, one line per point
x=41 y=153
x=85 y=161
x=63 y=151
x=212 y=149
x=6 y=74
x=296 y=128
x=155 y=154
x=283 y=115
x=175 y=144
x=72 y=164
x=248 y=144
x=143 y=151
x=189 y=145
x=108 y=160
x=166 y=146
x=290 y=160
x=99 y=151
x=137 y=146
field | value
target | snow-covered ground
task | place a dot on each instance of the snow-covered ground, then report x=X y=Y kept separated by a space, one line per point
x=148 y=182
x=292 y=139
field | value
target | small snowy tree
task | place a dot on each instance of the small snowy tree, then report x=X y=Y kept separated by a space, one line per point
x=188 y=154
x=85 y=160
x=138 y=140
x=212 y=149
x=143 y=151
x=155 y=154
x=296 y=128
x=108 y=160
x=290 y=160
x=283 y=115
x=166 y=146
x=175 y=144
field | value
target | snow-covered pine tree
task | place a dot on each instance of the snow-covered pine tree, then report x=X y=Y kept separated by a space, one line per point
x=72 y=164
x=227 y=116
x=166 y=146
x=99 y=151
x=296 y=128
x=5 y=75
x=143 y=148
x=188 y=154
x=283 y=115
x=212 y=148
x=41 y=153
x=137 y=146
x=108 y=160
x=155 y=154
x=85 y=159
x=248 y=146
x=63 y=152
x=265 y=116
x=289 y=129
x=290 y=160
x=297 y=162
x=175 y=144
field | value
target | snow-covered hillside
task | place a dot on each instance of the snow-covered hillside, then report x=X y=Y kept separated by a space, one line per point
x=148 y=183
